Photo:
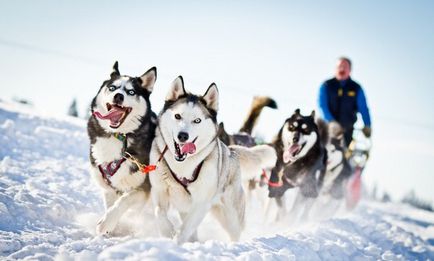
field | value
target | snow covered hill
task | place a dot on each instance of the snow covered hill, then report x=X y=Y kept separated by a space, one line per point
x=49 y=207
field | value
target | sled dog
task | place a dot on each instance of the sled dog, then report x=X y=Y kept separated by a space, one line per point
x=197 y=172
x=121 y=130
x=301 y=159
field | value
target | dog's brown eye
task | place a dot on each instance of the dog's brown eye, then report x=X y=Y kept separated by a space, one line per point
x=197 y=120
x=177 y=116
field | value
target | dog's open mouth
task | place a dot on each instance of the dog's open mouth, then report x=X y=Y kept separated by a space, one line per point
x=182 y=150
x=290 y=154
x=116 y=114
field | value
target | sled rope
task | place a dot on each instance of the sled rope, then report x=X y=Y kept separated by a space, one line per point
x=143 y=167
x=128 y=156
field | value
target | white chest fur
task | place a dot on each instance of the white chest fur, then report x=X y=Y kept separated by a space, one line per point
x=109 y=149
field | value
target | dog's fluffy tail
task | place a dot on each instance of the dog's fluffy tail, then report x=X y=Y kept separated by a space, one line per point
x=259 y=102
x=253 y=160
x=323 y=130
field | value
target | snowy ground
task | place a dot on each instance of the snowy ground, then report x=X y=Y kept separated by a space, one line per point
x=49 y=207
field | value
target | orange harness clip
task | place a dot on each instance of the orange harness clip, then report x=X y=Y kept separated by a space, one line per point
x=148 y=168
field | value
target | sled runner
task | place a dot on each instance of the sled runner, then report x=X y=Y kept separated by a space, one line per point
x=358 y=155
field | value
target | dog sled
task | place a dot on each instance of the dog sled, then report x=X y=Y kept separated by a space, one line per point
x=357 y=155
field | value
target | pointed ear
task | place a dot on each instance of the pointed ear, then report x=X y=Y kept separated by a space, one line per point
x=149 y=78
x=176 y=90
x=115 y=72
x=211 y=97
x=313 y=114
x=297 y=111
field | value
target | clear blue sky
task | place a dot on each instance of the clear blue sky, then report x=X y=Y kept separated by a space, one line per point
x=53 y=51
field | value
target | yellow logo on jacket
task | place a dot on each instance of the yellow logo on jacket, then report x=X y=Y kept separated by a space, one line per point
x=351 y=93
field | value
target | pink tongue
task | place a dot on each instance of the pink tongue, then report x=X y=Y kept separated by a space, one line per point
x=294 y=149
x=188 y=148
x=287 y=156
x=114 y=115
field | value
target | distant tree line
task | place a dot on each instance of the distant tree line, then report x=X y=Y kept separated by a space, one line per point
x=413 y=200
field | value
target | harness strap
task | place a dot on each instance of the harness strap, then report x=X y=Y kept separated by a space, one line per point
x=335 y=167
x=108 y=170
x=269 y=182
x=184 y=182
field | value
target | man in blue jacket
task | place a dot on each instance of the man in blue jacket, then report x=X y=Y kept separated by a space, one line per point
x=340 y=99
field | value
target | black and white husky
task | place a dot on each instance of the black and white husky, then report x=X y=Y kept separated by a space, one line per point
x=122 y=124
x=197 y=172
x=301 y=158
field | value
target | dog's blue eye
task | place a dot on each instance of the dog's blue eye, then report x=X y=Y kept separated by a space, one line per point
x=131 y=92
x=112 y=88
x=177 y=116
x=197 y=120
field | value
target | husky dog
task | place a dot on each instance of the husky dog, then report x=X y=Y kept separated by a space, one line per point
x=338 y=167
x=301 y=154
x=244 y=138
x=197 y=172
x=122 y=123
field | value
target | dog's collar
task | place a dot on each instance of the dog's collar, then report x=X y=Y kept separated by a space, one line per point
x=184 y=182
x=120 y=136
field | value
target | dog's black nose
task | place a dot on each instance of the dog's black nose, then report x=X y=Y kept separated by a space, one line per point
x=183 y=136
x=119 y=98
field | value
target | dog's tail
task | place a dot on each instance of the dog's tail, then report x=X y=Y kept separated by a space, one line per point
x=253 y=160
x=259 y=102
x=323 y=130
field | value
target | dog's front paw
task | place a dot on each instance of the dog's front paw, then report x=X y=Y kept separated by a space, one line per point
x=179 y=239
x=105 y=226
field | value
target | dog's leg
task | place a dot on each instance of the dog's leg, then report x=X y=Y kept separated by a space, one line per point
x=231 y=213
x=161 y=202
x=228 y=219
x=282 y=210
x=112 y=215
x=191 y=221
x=110 y=197
x=307 y=207
x=193 y=237
x=297 y=208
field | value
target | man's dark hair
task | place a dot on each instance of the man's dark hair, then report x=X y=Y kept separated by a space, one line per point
x=343 y=58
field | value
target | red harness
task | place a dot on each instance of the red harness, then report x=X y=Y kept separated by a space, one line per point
x=269 y=182
x=108 y=170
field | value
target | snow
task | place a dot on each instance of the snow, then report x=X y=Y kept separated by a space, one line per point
x=49 y=207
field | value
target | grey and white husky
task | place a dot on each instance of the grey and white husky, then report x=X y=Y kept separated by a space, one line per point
x=122 y=123
x=197 y=172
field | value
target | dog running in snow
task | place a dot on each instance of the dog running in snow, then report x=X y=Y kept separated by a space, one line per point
x=197 y=172
x=244 y=137
x=301 y=158
x=338 y=167
x=121 y=130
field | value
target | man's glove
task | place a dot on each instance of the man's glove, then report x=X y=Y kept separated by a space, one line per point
x=367 y=131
